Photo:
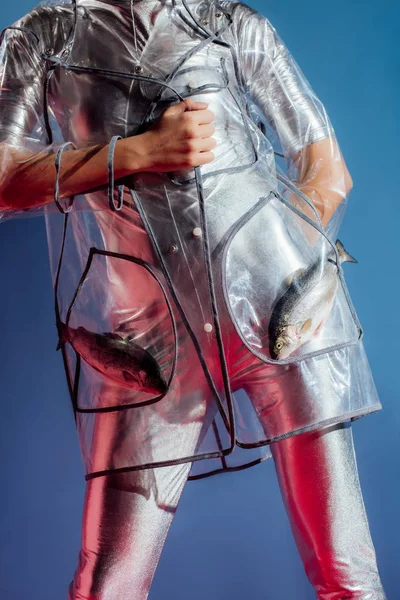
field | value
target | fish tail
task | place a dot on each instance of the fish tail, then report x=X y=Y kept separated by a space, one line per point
x=62 y=335
x=344 y=256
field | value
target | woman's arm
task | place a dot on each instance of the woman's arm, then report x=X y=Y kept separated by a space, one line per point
x=323 y=176
x=276 y=85
x=179 y=139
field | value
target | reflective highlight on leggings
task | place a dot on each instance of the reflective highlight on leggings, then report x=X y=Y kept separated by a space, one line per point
x=127 y=516
x=319 y=482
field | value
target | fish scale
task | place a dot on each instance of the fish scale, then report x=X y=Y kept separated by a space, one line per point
x=116 y=358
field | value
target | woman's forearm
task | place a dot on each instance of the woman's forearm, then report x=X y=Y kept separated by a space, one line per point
x=324 y=201
x=181 y=138
x=323 y=177
x=29 y=180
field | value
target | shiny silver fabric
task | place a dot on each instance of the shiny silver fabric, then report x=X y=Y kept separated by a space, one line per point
x=191 y=267
x=319 y=482
x=127 y=516
x=194 y=262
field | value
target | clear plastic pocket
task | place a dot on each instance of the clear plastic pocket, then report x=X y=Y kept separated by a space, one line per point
x=283 y=281
x=121 y=329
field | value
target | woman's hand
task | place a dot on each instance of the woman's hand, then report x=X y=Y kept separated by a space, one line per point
x=180 y=139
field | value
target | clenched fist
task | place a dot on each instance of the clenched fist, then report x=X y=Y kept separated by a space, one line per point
x=181 y=138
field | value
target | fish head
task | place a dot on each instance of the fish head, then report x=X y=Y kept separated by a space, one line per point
x=289 y=338
x=284 y=342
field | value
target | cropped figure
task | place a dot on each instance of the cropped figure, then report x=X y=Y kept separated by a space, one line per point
x=193 y=188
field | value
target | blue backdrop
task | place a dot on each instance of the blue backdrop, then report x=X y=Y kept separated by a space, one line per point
x=231 y=536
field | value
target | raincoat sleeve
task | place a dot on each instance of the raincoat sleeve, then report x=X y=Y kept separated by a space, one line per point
x=294 y=118
x=23 y=135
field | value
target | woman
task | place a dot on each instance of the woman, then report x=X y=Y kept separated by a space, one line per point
x=203 y=318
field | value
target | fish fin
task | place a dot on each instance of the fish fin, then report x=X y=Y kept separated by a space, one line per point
x=299 y=272
x=344 y=256
x=306 y=326
x=289 y=279
x=112 y=336
x=128 y=377
x=294 y=276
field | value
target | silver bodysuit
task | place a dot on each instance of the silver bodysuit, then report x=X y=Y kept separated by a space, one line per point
x=188 y=265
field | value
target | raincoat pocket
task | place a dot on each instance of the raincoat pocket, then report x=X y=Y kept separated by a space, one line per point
x=121 y=335
x=283 y=282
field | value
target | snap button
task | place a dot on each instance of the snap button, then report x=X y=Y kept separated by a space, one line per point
x=138 y=69
x=173 y=248
x=208 y=327
x=191 y=84
x=196 y=232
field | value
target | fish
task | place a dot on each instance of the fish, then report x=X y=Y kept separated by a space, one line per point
x=117 y=358
x=305 y=305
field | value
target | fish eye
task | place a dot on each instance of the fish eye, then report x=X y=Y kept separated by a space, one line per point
x=278 y=345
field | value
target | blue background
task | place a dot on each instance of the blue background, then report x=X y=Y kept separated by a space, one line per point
x=231 y=537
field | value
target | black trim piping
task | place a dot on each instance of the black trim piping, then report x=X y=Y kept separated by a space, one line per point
x=227 y=242
x=149 y=268
x=332 y=421
x=157 y=249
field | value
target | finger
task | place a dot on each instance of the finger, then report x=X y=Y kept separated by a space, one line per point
x=203 y=144
x=186 y=105
x=203 y=117
x=204 y=158
x=206 y=130
x=194 y=104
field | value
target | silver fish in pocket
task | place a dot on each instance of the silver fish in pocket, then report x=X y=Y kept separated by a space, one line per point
x=117 y=358
x=305 y=305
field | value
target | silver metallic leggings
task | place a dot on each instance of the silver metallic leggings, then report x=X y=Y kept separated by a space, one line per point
x=127 y=516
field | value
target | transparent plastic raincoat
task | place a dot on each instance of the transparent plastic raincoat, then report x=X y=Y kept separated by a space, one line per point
x=228 y=275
